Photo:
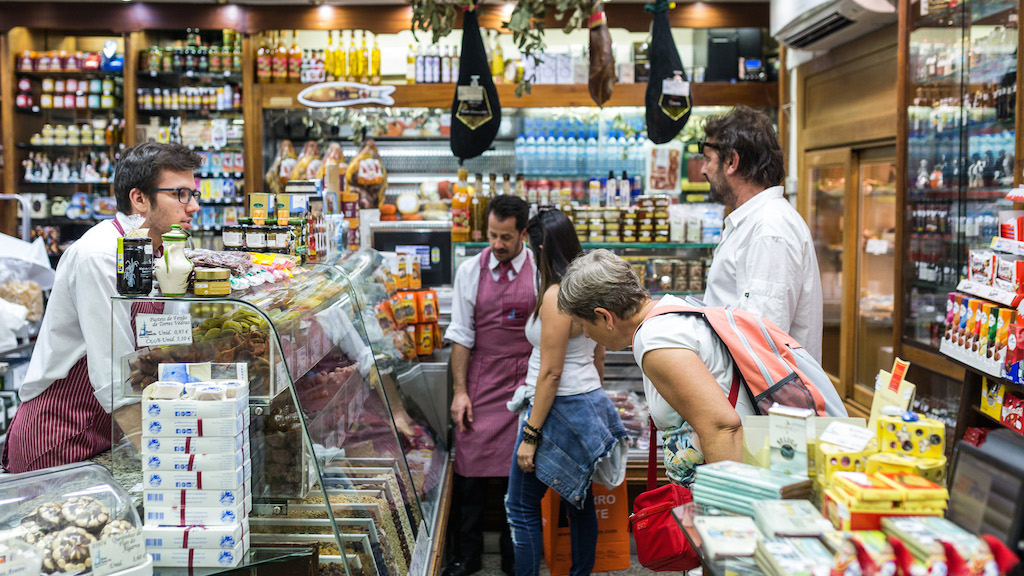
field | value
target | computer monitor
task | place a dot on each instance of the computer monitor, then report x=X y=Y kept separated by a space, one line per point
x=986 y=488
x=431 y=241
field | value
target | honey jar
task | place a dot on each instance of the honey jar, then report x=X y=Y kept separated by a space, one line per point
x=212 y=282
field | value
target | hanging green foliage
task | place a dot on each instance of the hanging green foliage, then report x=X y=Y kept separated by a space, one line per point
x=526 y=22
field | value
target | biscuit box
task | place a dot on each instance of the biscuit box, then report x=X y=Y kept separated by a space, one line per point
x=952 y=314
x=973 y=312
x=192 y=497
x=982 y=266
x=189 y=480
x=960 y=331
x=196 y=427
x=1013 y=409
x=832 y=459
x=228 y=408
x=984 y=327
x=923 y=438
x=1006 y=318
x=1014 y=351
x=197 y=557
x=933 y=469
x=178 y=515
x=197 y=462
x=190 y=445
x=224 y=537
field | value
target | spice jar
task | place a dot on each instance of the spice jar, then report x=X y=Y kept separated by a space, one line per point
x=279 y=239
x=233 y=237
x=255 y=238
x=212 y=282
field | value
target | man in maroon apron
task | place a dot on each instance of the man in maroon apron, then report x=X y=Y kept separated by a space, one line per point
x=69 y=394
x=494 y=293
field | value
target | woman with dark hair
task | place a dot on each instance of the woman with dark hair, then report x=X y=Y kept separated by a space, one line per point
x=571 y=434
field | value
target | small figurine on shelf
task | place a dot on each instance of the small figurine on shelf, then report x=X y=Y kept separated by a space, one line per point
x=43 y=168
x=936 y=177
x=988 y=172
x=1007 y=168
x=89 y=173
x=975 y=170
x=922 y=174
x=29 y=165
x=62 y=170
x=104 y=166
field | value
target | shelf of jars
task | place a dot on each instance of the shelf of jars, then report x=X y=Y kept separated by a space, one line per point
x=765 y=94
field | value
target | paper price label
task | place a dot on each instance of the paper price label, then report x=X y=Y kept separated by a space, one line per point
x=675 y=87
x=470 y=93
x=23 y=567
x=117 y=553
x=163 y=329
x=847 y=436
x=877 y=246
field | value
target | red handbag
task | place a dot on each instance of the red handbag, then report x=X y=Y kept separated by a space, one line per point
x=660 y=543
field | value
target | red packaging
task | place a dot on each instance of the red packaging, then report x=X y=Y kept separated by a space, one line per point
x=1014 y=347
x=426 y=303
x=1013 y=412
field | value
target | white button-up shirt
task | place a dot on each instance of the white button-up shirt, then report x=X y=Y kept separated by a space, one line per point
x=78 y=318
x=766 y=264
x=462 y=329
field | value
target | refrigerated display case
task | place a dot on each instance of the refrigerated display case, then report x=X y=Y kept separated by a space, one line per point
x=852 y=203
x=827 y=176
x=330 y=419
x=961 y=115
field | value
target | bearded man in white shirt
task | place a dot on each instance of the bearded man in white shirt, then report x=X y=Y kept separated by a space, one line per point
x=70 y=396
x=765 y=262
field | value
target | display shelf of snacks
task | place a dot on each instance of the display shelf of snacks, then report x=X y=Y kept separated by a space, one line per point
x=990 y=293
x=972 y=359
x=325 y=420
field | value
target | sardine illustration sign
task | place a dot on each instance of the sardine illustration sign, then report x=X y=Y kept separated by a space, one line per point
x=335 y=94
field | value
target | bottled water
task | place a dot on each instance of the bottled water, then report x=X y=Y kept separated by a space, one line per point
x=520 y=146
x=530 y=151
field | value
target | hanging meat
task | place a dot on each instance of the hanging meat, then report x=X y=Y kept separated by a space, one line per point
x=366 y=176
x=668 y=95
x=476 y=112
x=602 y=64
x=281 y=168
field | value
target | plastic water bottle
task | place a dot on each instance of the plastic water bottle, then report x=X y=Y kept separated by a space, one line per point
x=624 y=146
x=548 y=151
x=609 y=152
x=530 y=152
x=520 y=146
x=561 y=156
x=590 y=154
x=572 y=154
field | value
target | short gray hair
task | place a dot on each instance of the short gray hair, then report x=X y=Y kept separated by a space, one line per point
x=600 y=279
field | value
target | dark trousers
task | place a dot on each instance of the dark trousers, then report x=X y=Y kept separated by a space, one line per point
x=469 y=503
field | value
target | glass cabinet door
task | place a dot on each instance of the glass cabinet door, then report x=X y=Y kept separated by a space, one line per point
x=876 y=253
x=827 y=175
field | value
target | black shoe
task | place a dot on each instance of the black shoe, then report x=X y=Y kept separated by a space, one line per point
x=463 y=567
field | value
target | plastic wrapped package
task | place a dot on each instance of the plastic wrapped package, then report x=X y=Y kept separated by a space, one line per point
x=65 y=512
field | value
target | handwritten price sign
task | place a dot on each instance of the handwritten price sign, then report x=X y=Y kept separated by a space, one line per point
x=163 y=329
x=117 y=553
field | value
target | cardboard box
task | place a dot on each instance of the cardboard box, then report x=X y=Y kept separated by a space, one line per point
x=198 y=557
x=194 y=462
x=229 y=408
x=224 y=537
x=924 y=438
x=788 y=429
x=195 y=427
x=190 y=445
x=193 y=480
x=178 y=515
x=982 y=266
x=210 y=498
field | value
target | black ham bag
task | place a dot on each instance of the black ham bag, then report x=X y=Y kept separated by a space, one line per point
x=476 y=112
x=668 y=95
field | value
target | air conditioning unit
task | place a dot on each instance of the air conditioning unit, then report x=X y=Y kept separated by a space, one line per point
x=820 y=25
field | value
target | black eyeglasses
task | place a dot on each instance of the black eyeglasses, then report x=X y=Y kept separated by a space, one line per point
x=184 y=194
x=701 y=144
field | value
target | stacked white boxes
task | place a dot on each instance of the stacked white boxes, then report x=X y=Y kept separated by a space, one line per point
x=197 y=473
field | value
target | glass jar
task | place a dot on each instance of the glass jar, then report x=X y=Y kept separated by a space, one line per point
x=212 y=282
x=69 y=101
x=107 y=100
x=107 y=85
x=58 y=85
x=279 y=239
x=233 y=237
x=24 y=85
x=255 y=238
x=95 y=86
x=47 y=84
x=81 y=101
x=71 y=85
x=94 y=101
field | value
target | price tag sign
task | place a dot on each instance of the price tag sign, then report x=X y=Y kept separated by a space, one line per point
x=673 y=87
x=117 y=553
x=470 y=93
x=163 y=329
x=876 y=246
x=847 y=436
x=23 y=567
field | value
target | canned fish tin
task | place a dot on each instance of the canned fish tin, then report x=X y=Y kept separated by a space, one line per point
x=134 y=265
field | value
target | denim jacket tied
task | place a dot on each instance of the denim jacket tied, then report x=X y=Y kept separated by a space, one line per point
x=582 y=441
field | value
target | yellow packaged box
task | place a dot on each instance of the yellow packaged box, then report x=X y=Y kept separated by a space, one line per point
x=866 y=487
x=992 y=398
x=831 y=459
x=933 y=469
x=924 y=438
x=915 y=488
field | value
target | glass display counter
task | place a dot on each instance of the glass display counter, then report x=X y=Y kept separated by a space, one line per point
x=328 y=418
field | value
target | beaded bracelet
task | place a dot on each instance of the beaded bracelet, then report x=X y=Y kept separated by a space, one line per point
x=530 y=438
x=532 y=429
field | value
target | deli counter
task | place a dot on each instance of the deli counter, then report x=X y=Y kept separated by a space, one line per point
x=343 y=437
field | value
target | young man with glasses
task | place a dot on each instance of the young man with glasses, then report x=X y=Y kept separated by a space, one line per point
x=766 y=261
x=69 y=395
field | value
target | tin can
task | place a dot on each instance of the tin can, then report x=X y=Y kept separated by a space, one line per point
x=134 y=265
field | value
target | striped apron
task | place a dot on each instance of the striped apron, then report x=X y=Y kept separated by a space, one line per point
x=497 y=366
x=65 y=423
